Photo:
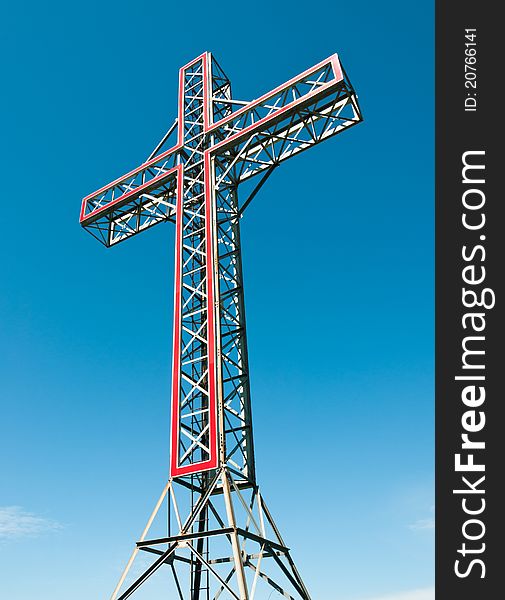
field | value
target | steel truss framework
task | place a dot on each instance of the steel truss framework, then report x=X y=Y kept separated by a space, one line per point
x=220 y=546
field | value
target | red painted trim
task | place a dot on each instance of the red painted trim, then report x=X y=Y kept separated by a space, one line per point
x=126 y=196
x=194 y=60
x=338 y=77
x=83 y=208
x=211 y=326
x=176 y=354
x=180 y=110
x=210 y=105
x=134 y=171
x=337 y=68
x=192 y=468
x=211 y=463
x=275 y=114
x=180 y=121
x=207 y=84
x=173 y=149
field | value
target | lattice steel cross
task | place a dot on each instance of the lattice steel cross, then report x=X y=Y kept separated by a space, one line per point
x=221 y=142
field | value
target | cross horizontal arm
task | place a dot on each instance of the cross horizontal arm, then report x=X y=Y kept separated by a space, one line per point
x=300 y=113
x=136 y=201
x=316 y=80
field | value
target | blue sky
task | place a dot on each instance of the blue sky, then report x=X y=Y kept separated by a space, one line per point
x=338 y=260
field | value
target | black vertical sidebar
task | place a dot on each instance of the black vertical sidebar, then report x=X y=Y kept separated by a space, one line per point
x=470 y=337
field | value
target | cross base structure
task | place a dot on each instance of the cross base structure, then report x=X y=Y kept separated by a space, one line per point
x=227 y=546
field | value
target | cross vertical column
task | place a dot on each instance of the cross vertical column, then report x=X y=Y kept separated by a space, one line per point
x=194 y=426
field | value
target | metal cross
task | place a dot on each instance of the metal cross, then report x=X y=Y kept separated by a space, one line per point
x=221 y=143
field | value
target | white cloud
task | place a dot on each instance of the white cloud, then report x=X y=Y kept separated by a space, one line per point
x=423 y=524
x=420 y=594
x=15 y=522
